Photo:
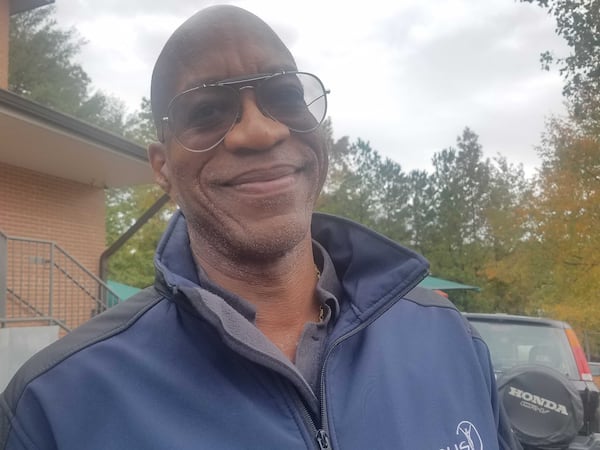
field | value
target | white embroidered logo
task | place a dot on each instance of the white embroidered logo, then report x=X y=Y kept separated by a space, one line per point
x=469 y=438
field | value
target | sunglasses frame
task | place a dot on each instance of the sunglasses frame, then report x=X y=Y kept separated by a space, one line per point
x=257 y=80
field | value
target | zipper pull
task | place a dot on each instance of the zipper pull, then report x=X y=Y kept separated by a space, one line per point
x=322 y=440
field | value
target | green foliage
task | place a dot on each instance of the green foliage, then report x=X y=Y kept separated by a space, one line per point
x=567 y=209
x=461 y=178
x=139 y=126
x=555 y=266
x=41 y=63
x=577 y=21
x=42 y=68
x=507 y=235
x=367 y=188
x=459 y=216
x=133 y=263
x=561 y=251
x=422 y=211
x=470 y=196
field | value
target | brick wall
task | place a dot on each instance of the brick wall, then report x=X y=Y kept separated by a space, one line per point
x=38 y=206
x=70 y=214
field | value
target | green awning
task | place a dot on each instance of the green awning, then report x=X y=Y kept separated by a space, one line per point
x=124 y=291
x=445 y=285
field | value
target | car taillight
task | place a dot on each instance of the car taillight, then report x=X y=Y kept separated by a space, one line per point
x=580 y=359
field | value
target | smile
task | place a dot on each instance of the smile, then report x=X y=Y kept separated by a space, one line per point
x=265 y=181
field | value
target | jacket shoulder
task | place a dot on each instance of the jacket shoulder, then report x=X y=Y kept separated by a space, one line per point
x=108 y=324
x=428 y=298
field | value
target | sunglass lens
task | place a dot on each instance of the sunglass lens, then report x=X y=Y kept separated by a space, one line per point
x=203 y=116
x=295 y=99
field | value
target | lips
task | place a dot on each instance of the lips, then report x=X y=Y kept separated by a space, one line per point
x=264 y=180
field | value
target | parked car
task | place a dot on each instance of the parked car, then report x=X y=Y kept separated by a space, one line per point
x=543 y=379
x=595 y=369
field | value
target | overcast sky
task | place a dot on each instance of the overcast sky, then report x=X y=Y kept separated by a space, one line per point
x=408 y=77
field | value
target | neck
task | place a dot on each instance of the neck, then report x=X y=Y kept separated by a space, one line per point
x=281 y=289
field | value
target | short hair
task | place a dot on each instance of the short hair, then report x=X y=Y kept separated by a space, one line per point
x=177 y=53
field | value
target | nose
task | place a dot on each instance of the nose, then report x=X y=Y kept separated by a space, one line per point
x=254 y=130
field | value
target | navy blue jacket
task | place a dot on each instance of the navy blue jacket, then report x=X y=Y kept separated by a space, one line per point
x=168 y=369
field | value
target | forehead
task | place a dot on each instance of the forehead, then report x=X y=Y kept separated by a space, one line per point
x=230 y=50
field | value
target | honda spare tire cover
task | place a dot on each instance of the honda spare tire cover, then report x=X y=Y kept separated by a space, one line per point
x=543 y=406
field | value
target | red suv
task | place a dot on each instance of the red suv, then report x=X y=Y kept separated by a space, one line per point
x=543 y=380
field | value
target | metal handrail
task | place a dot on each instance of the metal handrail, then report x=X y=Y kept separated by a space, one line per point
x=25 y=303
x=34 y=284
x=53 y=320
x=67 y=255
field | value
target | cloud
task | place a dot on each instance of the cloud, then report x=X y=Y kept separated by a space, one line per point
x=407 y=76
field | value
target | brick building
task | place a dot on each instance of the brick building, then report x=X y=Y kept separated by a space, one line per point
x=53 y=173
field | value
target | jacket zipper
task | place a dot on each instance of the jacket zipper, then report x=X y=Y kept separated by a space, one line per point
x=321 y=434
x=322 y=439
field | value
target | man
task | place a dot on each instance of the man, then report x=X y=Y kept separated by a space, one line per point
x=268 y=327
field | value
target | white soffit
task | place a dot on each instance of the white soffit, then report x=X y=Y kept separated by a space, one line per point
x=64 y=147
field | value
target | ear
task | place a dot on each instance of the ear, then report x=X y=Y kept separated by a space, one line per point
x=157 y=154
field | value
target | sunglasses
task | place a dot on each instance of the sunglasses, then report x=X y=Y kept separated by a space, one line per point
x=200 y=118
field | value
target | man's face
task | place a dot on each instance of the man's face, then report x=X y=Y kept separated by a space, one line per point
x=252 y=196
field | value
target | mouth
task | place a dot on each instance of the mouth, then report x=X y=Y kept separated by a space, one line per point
x=264 y=181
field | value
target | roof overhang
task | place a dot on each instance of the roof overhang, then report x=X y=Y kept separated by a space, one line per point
x=40 y=139
x=19 y=6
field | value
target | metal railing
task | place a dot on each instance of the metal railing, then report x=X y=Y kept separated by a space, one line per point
x=41 y=283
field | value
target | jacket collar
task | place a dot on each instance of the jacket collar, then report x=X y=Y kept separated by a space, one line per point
x=371 y=268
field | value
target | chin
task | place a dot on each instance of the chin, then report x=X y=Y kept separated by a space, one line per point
x=267 y=239
x=254 y=232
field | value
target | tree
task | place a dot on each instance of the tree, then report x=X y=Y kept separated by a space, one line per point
x=42 y=68
x=367 y=188
x=509 y=222
x=565 y=211
x=348 y=193
x=422 y=213
x=466 y=217
x=41 y=61
x=133 y=263
x=577 y=21
x=556 y=266
x=461 y=178
x=568 y=213
x=470 y=220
